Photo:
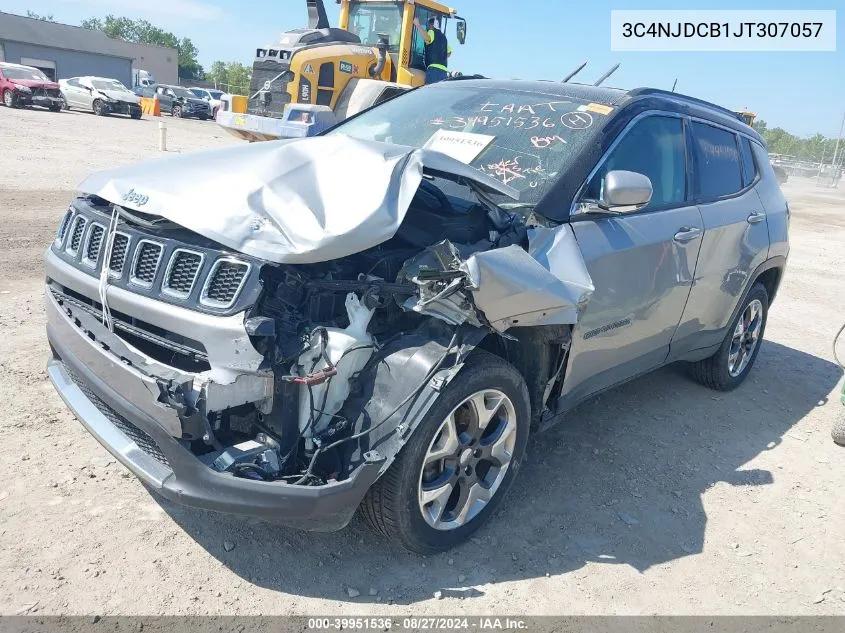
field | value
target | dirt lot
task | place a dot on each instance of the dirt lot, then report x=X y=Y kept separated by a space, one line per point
x=658 y=497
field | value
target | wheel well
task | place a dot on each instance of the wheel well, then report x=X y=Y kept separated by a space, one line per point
x=771 y=280
x=537 y=353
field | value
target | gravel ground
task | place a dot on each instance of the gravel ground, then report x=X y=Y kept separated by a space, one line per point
x=657 y=497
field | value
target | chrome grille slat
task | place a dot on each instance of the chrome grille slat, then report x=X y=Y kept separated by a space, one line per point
x=182 y=271
x=76 y=235
x=119 y=251
x=224 y=282
x=145 y=265
x=93 y=244
x=62 y=232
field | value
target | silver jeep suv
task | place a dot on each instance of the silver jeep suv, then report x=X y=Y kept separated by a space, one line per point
x=376 y=318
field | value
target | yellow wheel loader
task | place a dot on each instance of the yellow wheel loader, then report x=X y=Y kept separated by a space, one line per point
x=317 y=76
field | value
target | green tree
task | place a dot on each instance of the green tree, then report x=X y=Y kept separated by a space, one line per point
x=233 y=77
x=34 y=15
x=144 y=32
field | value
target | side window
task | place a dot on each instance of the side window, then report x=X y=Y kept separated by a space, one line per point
x=749 y=170
x=717 y=161
x=654 y=147
x=417 y=42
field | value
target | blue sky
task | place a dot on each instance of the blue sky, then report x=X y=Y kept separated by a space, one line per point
x=544 y=39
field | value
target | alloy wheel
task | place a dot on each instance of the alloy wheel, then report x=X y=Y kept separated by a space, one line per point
x=467 y=460
x=746 y=338
x=8 y=98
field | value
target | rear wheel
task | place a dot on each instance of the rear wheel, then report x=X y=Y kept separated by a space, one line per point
x=98 y=108
x=454 y=471
x=9 y=99
x=729 y=366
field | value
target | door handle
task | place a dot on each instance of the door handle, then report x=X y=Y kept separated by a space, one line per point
x=687 y=234
x=756 y=217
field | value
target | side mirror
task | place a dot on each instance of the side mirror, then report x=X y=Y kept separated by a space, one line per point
x=625 y=191
x=461 y=30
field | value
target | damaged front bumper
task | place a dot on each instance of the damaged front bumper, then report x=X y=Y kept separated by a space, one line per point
x=130 y=407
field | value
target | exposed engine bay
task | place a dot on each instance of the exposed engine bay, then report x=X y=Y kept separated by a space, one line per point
x=356 y=346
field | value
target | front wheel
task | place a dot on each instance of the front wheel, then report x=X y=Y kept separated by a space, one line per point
x=9 y=99
x=454 y=471
x=730 y=365
x=98 y=108
x=176 y=111
x=65 y=104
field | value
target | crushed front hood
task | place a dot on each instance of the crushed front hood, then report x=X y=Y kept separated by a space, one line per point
x=120 y=95
x=290 y=201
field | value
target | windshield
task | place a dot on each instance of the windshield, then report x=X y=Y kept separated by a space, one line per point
x=198 y=93
x=215 y=94
x=32 y=74
x=368 y=19
x=524 y=139
x=181 y=92
x=109 y=84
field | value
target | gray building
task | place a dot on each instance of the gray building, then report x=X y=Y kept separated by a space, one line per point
x=62 y=51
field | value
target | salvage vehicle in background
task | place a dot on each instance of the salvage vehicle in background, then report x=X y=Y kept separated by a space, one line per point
x=24 y=85
x=176 y=101
x=378 y=317
x=215 y=98
x=101 y=95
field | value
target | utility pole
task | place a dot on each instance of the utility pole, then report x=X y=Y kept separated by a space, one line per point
x=838 y=140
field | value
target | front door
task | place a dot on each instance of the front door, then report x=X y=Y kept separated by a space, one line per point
x=642 y=263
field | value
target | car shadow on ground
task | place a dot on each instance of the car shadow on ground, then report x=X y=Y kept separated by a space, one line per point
x=619 y=482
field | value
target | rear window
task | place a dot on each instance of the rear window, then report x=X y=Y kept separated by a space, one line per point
x=717 y=161
x=749 y=170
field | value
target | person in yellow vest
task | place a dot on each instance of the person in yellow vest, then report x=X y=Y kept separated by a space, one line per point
x=437 y=50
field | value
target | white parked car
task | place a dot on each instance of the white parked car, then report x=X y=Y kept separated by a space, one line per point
x=101 y=95
x=214 y=97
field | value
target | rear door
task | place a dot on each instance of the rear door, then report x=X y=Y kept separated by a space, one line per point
x=641 y=263
x=736 y=235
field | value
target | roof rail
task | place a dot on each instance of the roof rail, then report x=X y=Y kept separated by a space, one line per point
x=637 y=92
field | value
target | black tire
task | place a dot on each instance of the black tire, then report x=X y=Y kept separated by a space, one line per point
x=56 y=108
x=65 y=104
x=98 y=108
x=176 y=111
x=10 y=100
x=837 y=431
x=135 y=115
x=713 y=372
x=203 y=117
x=391 y=505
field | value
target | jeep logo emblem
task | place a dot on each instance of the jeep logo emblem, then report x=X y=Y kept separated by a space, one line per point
x=135 y=198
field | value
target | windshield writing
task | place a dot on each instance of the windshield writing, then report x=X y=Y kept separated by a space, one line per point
x=526 y=139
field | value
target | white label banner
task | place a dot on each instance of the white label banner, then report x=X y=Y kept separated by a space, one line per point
x=723 y=30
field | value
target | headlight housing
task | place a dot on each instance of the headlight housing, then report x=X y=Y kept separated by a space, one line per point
x=22 y=88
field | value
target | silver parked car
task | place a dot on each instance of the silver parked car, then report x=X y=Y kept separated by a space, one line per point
x=100 y=95
x=378 y=317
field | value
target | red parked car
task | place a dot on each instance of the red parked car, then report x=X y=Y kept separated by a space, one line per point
x=24 y=85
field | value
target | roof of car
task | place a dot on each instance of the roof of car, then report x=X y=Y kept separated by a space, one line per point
x=614 y=97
